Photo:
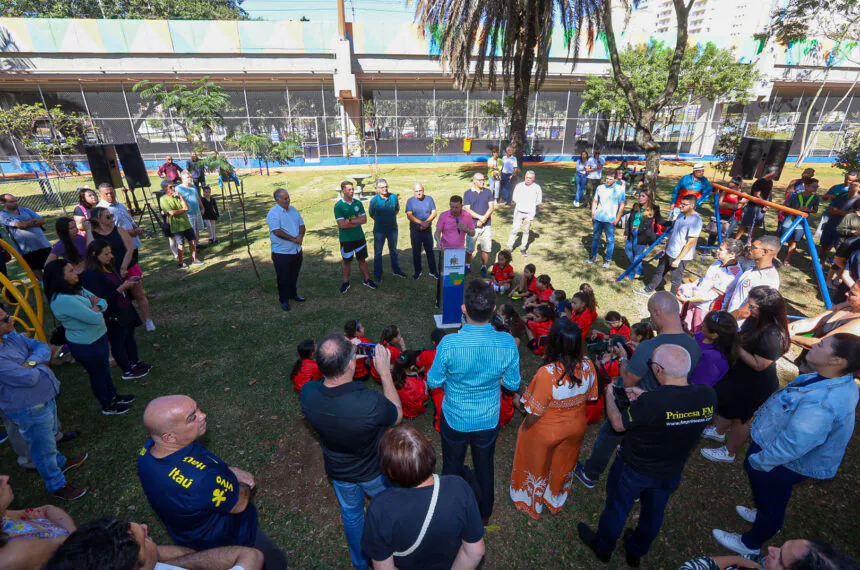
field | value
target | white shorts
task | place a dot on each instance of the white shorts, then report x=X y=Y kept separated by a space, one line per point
x=483 y=238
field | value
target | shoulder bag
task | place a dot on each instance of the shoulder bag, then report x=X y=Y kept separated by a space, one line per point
x=430 y=511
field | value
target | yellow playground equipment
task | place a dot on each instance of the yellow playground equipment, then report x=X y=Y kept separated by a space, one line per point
x=17 y=294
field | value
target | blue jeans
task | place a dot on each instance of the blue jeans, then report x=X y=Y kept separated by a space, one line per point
x=38 y=426
x=506 y=187
x=607 y=228
x=95 y=359
x=581 y=179
x=379 y=239
x=351 y=499
x=771 y=493
x=633 y=250
x=483 y=446
x=623 y=487
x=602 y=450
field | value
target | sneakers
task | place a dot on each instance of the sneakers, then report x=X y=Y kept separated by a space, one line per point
x=435 y=276
x=285 y=305
x=125 y=400
x=3 y=436
x=344 y=287
x=197 y=262
x=589 y=538
x=74 y=462
x=606 y=265
x=733 y=542
x=134 y=374
x=523 y=252
x=416 y=276
x=720 y=455
x=576 y=204
x=180 y=266
x=644 y=291
x=746 y=513
x=579 y=472
x=400 y=274
x=591 y=260
x=69 y=493
x=149 y=325
x=370 y=284
x=116 y=409
x=299 y=299
x=483 y=271
x=711 y=433
x=142 y=366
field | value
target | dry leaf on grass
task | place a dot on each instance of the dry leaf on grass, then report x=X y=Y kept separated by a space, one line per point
x=252 y=381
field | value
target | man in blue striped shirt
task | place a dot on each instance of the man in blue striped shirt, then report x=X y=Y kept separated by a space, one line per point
x=473 y=365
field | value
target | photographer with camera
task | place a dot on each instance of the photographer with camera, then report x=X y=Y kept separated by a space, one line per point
x=665 y=316
x=350 y=420
x=661 y=428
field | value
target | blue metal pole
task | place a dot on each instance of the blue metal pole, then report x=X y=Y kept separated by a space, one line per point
x=641 y=257
x=717 y=214
x=784 y=237
x=816 y=263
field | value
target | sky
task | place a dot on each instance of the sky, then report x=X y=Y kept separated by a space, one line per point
x=393 y=11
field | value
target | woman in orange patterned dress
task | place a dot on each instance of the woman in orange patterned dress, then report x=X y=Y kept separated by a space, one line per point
x=549 y=439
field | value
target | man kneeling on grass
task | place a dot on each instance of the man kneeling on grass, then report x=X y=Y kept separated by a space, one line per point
x=203 y=502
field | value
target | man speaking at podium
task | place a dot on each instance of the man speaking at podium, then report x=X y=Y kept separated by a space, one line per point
x=453 y=226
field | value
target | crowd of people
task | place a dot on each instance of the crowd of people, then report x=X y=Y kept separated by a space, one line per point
x=702 y=366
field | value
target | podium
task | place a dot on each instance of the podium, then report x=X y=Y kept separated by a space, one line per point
x=449 y=294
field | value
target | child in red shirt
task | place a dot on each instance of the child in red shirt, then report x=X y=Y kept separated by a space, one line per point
x=411 y=388
x=506 y=412
x=390 y=339
x=538 y=327
x=581 y=313
x=503 y=272
x=354 y=329
x=528 y=284
x=425 y=362
x=618 y=326
x=305 y=369
x=544 y=293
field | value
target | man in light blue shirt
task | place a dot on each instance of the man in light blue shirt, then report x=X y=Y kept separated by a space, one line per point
x=25 y=229
x=28 y=389
x=473 y=366
x=287 y=231
x=606 y=210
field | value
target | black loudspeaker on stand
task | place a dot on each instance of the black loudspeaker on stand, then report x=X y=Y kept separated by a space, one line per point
x=756 y=157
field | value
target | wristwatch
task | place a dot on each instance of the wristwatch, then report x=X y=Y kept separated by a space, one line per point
x=31 y=363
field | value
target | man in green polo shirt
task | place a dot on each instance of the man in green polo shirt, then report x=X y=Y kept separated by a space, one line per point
x=350 y=216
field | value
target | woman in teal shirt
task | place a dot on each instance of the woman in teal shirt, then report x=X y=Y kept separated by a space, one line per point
x=81 y=314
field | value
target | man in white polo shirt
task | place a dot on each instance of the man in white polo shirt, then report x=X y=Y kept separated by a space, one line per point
x=527 y=196
x=680 y=249
x=287 y=231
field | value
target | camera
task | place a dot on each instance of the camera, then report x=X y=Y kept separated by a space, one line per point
x=604 y=344
x=622 y=402
x=365 y=349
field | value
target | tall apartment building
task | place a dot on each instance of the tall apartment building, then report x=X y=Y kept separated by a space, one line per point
x=734 y=18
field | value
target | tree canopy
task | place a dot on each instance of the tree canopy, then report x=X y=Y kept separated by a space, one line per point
x=126 y=9
x=706 y=73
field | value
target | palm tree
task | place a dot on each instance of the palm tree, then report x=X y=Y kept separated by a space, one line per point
x=479 y=38
x=511 y=36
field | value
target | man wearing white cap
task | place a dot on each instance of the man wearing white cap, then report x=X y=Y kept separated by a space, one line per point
x=695 y=184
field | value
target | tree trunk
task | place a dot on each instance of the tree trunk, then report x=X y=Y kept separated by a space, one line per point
x=523 y=66
x=652 y=155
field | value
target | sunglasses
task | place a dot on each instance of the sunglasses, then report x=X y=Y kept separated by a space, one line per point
x=652 y=363
x=6 y=319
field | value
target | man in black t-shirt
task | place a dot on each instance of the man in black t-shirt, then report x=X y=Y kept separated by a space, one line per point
x=664 y=309
x=753 y=214
x=662 y=426
x=350 y=420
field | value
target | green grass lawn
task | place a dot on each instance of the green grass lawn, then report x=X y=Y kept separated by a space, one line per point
x=224 y=341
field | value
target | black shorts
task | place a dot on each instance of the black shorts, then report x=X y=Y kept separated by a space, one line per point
x=36 y=259
x=185 y=235
x=356 y=249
